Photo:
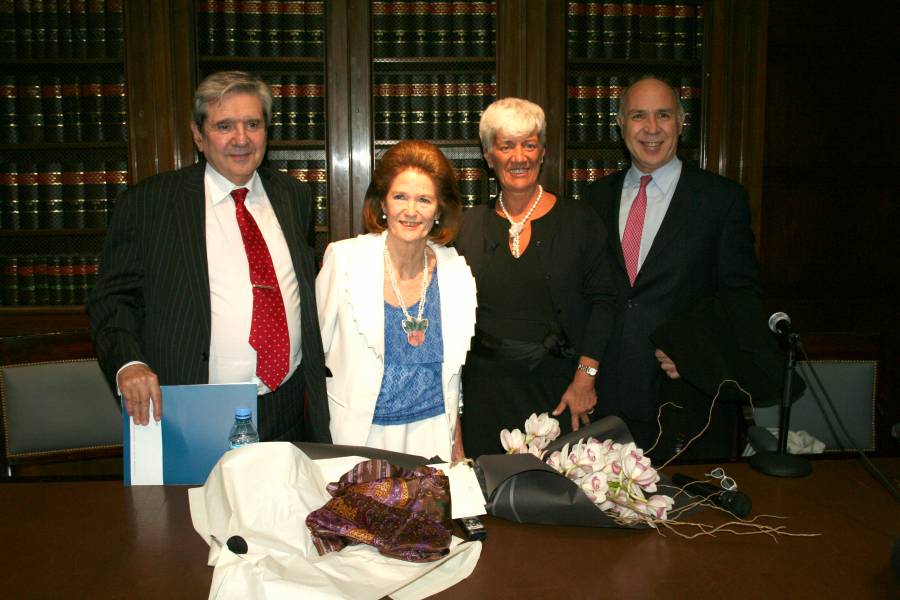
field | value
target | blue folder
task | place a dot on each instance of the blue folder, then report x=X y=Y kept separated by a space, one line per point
x=192 y=436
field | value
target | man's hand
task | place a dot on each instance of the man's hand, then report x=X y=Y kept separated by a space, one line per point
x=580 y=398
x=139 y=387
x=667 y=365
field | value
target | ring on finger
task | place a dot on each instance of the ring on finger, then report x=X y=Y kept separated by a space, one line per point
x=590 y=411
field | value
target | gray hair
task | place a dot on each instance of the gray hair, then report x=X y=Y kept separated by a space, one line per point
x=515 y=117
x=679 y=108
x=212 y=89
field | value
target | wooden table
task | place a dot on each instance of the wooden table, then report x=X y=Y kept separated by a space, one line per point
x=103 y=540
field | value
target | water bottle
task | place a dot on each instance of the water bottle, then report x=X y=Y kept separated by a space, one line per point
x=242 y=432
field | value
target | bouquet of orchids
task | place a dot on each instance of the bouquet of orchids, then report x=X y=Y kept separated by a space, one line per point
x=615 y=477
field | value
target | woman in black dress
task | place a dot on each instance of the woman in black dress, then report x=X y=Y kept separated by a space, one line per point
x=545 y=299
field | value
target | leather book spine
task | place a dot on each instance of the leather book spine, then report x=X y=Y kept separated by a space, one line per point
x=73 y=195
x=26 y=281
x=664 y=18
x=41 y=289
x=599 y=112
x=64 y=37
x=630 y=31
x=593 y=45
x=690 y=95
x=67 y=280
x=276 y=122
x=71 y=100
x=23 y=28
x=228 y=39
x=293 y=29
x=290 y=90
x=317 y=178
x=9 y=127
x=10 y=281
x=614 y=91
x=381 y=35
x=249 y=28
x=116 y=182
x=698 y=32
x=92 y=107
x=28 y=196
x=314 y=20
x=50 y=195
x=29 y=108
x=78 y=13
x=115 y=29
x=54 y=280
x=683 y=20
x=579 y=107
x=461 y=20
x=96 y=28
x=52 y=108
x=9 y=196
x=483 y=29
x=38 y=29
x=8 y=29
x=576 y=29
x=418 y=107
x=50 y=19
x=115 y=108
x=381 y=113
x=95 y=206
x=613 y=23
x=270 y=36
x=441 y=22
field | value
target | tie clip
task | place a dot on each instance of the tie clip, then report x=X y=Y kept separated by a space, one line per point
x=264 y=287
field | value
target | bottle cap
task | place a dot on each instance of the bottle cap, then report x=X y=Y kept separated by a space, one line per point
x=242 y=413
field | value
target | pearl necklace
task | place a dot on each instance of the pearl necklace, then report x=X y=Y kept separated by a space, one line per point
x=516 y=228
x=414 y=327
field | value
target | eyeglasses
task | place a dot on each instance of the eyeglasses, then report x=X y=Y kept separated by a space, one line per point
x=727 y=483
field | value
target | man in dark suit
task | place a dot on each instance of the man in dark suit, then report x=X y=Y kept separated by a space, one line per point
x=207 y=275
x=676 y=235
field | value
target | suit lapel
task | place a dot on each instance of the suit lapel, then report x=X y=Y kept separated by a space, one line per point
x=188 y=207
x=677 y=217
x=612 y=221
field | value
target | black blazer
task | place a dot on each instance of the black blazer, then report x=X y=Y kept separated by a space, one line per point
x=573 y=258
x=151 y=301
x=704 y=245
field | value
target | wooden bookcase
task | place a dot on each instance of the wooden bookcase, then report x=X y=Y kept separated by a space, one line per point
x=167 y=49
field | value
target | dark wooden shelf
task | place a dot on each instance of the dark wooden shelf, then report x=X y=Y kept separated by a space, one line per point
x=630 y=63
x=63 y=146
x=262 y=60
x=438 y=60
x=76 y=309
x=24 y=233
x=440 y=143
x=296 y=143
x=88 y=62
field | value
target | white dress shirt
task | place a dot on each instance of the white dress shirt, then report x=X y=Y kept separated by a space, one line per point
x=659 y=195
x=231 y=358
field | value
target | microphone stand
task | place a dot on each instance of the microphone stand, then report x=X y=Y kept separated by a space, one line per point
x=780 y=463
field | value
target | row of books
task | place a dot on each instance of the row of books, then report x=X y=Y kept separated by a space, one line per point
x=69 y=195
x=649 y=29
x=439 y=29
x=430 y=106
x=314 y=174
x=41 y=280
x=593 y=103
x=474 y=182
x=298 y=107
x=61 y=29
x=581 y=172
x=254 y=28
x=72 y=107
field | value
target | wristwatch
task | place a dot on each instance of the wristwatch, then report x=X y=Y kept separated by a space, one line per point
x=591 y=371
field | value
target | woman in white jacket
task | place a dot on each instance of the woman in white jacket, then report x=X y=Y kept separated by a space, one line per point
x=397 y=311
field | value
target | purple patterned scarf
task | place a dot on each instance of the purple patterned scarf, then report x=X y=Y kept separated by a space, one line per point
x=403 y=513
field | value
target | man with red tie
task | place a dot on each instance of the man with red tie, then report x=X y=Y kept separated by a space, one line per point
x=676 y=235
x=207 y=274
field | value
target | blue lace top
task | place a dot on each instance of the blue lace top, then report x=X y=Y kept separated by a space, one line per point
x=411 y=389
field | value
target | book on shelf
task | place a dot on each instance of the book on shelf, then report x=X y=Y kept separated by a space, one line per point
x=47 y=280
x=62 y=29
x=9 y=127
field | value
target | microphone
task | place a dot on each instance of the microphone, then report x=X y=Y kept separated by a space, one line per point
x=780 y=324
x=237 y=544
x=737 y=503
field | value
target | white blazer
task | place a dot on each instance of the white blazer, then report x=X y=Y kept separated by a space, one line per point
x=350 y=299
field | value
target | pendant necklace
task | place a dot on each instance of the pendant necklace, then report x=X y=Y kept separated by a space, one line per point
x=516 y=228
x=414 y=327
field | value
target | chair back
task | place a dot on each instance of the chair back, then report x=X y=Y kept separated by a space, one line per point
x=56 y=405
x=851 y=386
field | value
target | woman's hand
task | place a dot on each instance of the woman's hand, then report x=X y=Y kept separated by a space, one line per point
x=457 y=453
x=580 y=398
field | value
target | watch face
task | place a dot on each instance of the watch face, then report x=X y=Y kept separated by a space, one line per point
x=592 y=371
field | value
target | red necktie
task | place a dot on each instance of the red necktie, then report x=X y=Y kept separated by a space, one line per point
x=634 y=226
x=268 y=327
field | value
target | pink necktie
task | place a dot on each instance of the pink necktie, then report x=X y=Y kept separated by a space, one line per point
x=634 y=226
x=268 y=328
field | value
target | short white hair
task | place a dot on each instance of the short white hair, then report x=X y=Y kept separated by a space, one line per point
x=515 y=117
